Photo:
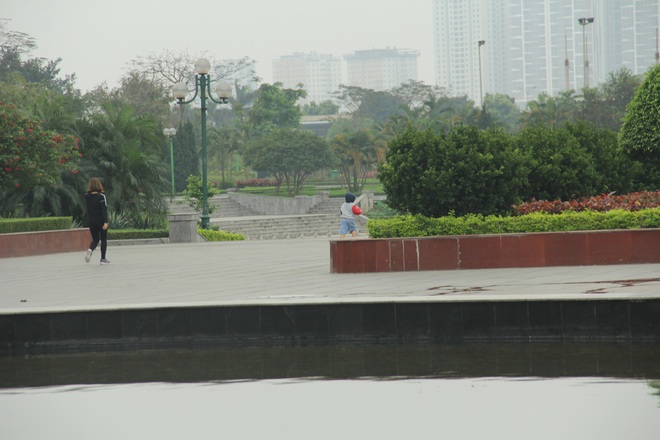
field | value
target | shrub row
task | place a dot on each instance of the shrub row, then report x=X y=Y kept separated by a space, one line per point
x=605 y=202
x=136 y=234
x=9 y=225
x=211 y=235
x=259 y=183
x=420 y=226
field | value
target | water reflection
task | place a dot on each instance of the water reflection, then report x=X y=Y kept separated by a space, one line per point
x=451 y=408
x=467 y=391
x=221 y=364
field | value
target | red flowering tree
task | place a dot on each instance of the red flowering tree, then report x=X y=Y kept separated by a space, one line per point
x=31 y=156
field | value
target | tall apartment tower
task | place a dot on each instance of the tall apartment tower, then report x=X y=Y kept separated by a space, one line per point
x=381 y=69
x=459 y=25
x=627 y=34
x=319 y=74
x=536 y=46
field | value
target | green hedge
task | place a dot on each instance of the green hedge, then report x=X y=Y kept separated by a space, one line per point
x=9 y=225
x=136 y=234
x=211 y=235
x=420 y=226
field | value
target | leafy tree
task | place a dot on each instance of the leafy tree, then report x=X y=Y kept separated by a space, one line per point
x=194 y=194
x=290 y=155
x=14 y=46
x=357 y=146
x=186 y=155
x=503 y=111
x=146 y=97
x=640 y=134
x=560 y=167
x=223 y=143
x=125 y=153
x=275 y=107
x=322 y=108
x=363 y=103
x=614 y=170
x=549 y=111
x=30 y=155
x=466 y=170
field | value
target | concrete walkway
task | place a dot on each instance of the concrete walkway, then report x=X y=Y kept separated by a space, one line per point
x=282 y=272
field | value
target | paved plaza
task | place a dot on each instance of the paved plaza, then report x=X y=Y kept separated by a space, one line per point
x=282 y=272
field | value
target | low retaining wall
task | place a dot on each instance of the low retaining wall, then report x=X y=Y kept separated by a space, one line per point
x=266 y=205
x=578 y=248
x=24 y=244
x=593 y=320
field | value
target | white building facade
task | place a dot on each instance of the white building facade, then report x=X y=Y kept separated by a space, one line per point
x=381 y=69
x=319 y=74
x=535 y=46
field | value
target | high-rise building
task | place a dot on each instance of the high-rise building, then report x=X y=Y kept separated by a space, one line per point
x=536 y=46
x=381 y=69
x=319 y=74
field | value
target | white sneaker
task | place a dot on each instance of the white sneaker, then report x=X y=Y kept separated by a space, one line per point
x=88 y=255
x=104 y=261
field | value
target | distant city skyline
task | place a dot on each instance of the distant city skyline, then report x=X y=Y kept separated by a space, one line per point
x=524 y=51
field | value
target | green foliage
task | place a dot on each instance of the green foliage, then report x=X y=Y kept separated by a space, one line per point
x=466 y=170
x=193 y=194
x=186 y=158
x=10 y=225
x=215 y=235
x=421 y=226
x=136 y=234
x=322 y=108
x=124 y=152
x=503 y=111
x=612 y=169
x=31 y=156
x=358 y=152
x=640 y=134
x=290 y=155
x=559 y=166
x=275 y=107
x=133 y=220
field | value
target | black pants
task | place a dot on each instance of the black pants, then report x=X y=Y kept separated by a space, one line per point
x=98 y=233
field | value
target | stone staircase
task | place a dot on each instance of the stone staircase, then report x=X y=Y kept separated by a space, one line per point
x=224 y=207
x=321 y=221
x=280 y=227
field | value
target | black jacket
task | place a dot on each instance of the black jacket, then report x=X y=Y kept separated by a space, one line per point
x=97 y=209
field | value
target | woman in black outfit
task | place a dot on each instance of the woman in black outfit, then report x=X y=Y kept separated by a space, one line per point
x=97 y=218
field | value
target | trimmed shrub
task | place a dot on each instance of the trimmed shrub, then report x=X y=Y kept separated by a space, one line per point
x=420 y=226
x=136 y=234
x=211 y=235
x=9 y=225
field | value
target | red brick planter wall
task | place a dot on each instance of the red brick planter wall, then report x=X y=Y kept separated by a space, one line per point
x=23 y=244
x=579 y=248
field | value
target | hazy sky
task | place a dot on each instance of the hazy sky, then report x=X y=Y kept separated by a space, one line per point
x=97 y=38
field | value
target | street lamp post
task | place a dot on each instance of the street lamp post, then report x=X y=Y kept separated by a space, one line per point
x=584 y=22
x=481 y=85
x=203 y=89
x=169 y=133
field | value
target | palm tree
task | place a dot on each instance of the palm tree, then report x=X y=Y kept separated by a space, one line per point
x=125 y=151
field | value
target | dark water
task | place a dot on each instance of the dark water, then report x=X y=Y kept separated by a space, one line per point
x=467 y=391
